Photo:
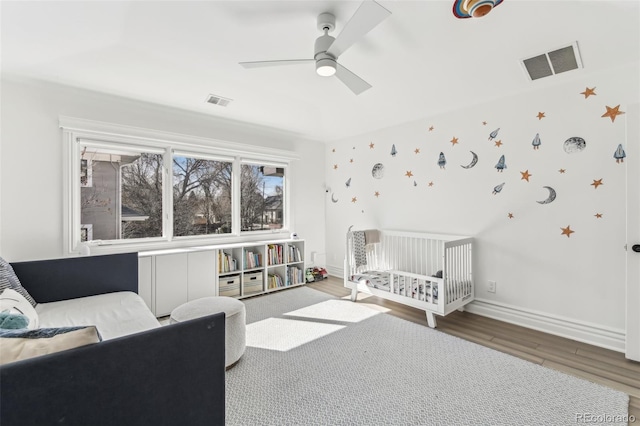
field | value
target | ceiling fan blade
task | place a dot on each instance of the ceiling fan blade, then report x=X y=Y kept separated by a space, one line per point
x=366 y=18
x=352 y=81
x=262 y=64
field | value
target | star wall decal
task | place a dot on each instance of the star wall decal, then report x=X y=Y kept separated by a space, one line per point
x=588 y=92
x=498 y=143
x=510 y=216
x=335 y=167
x=371 y=145
x=351 y=160
x=484 y=123
x=417 y=151
x=567 y=231
x=541 y=115
x=431 y=128
x=377 y=194
x=354 y=199
x=612 y=113
x=597 y=183
x=598 y=215
x=525 y=175
x=408 y=174
x=561 y=171
x=430 y=183
x=454 y=141
x=333 y=150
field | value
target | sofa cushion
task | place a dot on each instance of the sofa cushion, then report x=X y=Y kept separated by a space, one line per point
x=16 y=345
x=13 y=302
x=114 y=314
x=9 y=279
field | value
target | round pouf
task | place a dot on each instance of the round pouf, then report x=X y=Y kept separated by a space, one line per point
x=235 y=325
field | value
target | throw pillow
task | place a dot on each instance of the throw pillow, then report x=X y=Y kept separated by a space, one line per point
x=9 y=321
x=15 y=303
x=9 y=279
x=16 y=345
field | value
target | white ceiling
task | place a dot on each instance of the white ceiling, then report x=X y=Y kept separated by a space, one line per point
x=421 y=61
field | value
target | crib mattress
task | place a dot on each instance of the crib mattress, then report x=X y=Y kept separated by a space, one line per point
x=380 y=280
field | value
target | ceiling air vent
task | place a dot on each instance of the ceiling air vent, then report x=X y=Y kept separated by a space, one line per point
x=566 y=58
x=218 y=100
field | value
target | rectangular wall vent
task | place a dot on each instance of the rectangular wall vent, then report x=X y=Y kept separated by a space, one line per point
x=557 y=61
x=218 y=100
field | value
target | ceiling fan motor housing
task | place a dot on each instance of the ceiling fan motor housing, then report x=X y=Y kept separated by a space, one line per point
x=325 y=63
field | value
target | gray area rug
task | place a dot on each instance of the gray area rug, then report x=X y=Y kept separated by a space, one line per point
x=312 y=359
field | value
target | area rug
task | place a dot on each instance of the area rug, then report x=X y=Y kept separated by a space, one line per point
x=313 y=359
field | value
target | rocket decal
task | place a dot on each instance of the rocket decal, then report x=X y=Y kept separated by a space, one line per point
x=493 y=134
x=393 y=150
x=501 y=164
x=619 y=154
x=497 y=188
x=536 y=141
x=441 y=160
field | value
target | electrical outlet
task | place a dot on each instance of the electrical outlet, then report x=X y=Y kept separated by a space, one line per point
x=491 y=286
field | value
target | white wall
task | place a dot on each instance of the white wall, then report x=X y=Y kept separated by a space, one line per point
x=31 y=176
x=578 y=279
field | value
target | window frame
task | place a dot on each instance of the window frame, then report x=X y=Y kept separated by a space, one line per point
x=80 y=132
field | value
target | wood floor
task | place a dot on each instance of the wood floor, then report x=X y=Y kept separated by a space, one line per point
x=603 y=366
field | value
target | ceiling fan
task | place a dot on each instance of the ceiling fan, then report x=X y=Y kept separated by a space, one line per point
x=328 y=49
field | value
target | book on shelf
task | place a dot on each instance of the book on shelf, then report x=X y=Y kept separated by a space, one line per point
x=294 y=254
x=226 y=262
x=294 y=275
x=252 y=260
x=274 y=253
x=274 y=281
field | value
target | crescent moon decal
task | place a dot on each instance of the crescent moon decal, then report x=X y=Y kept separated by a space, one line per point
x=551 y=197
x=332 y=197
x=473 y=161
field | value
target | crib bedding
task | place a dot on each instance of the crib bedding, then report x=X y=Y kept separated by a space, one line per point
x=380 y=280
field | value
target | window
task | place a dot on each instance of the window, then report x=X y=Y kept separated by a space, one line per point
x=262 y=197
x=201 y=196
x=154 y=187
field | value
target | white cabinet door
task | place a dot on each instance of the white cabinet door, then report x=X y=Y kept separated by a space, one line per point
x=171 y=282
x=145 y=281
x=202 y=274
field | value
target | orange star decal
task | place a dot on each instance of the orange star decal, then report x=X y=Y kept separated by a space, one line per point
x=335 y=166
x=351 y=161
x=525 y=175
x=431 y=128
x=417 y=151
x=598 y=215
x=588 y=92
x=377 y=194
x=612 y=113
x=498 y=143
x=454 y=141
x=541 y=115
x=430 y=183
x=371 y=145
x=510 y=215
x=597 y=183
x=484 y=123
x=408 y=174
x=562 y=171
x=354 y=199
x=567 y=231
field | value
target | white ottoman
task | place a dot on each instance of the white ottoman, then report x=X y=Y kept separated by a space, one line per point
x=235 y=324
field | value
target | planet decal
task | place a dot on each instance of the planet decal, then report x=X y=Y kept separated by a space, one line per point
x=377 y=171
x=574 y=144
x=333 y=198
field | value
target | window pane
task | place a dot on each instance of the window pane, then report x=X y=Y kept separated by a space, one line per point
x=120 y=194
x=201 y=196
x=262 y=197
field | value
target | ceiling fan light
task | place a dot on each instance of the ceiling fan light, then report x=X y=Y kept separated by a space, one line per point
x=325 y=67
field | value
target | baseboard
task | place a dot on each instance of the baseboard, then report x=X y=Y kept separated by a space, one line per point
x=571 y=329
x=580 y=331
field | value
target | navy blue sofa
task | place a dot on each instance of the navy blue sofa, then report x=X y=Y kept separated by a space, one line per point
x=171 y=375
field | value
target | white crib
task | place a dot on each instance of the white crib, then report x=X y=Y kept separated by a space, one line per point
x=426 y=271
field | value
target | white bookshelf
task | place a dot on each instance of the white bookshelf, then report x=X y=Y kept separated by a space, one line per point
x=237 y=270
